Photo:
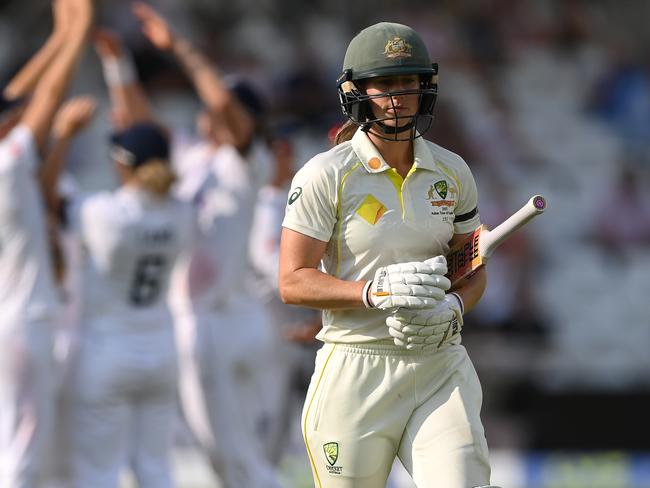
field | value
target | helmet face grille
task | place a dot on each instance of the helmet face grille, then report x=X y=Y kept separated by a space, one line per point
x=356 y=107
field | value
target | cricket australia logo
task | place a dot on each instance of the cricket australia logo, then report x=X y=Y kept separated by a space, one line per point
x=331 y=450
x=441 y=188
x=397 y=48
x=437 y=196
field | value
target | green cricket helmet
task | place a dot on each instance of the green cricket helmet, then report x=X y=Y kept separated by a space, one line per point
x=388 y=49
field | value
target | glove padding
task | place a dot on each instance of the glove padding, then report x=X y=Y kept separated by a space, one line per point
x=426 y=329
x=410 y=285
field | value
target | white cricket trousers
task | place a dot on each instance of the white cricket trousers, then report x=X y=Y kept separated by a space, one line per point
x=368 y=403
x=221 y=357
x=26 y=402
x=124 y=407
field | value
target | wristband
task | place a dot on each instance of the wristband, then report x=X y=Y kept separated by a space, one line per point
x=460 y=301
x=364 y=295
x=119 y=71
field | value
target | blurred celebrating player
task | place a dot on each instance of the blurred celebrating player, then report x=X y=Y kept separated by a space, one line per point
x=126 y=371
x=27 y=292
x=224 y=332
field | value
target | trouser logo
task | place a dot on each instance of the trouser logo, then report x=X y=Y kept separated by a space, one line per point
x=331 y=450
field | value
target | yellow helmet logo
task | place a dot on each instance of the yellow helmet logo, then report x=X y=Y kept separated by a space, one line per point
x=397 y=48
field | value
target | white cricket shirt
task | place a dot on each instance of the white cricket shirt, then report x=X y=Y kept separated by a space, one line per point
x=224 y=187
x=27 y=290
x=369 y=216
x=132 y=241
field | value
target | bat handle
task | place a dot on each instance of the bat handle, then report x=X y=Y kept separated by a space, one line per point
x=490 y=240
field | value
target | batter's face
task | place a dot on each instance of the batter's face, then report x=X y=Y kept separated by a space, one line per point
x=397 y=109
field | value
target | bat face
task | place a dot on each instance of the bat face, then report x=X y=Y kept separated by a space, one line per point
x=464 y=259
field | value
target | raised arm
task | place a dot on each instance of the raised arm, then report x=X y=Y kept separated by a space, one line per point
x=52 y=86
x=130 y=104
x=209 y=85
x=71 y=119
x=24 y=82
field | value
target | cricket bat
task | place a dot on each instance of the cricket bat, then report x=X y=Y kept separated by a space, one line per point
x=469 y=255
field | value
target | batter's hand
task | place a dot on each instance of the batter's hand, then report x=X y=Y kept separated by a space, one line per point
x=426 y=329
x=409 y=285
x=154 y=26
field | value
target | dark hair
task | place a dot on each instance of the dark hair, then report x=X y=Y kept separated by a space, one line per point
x=346 y=132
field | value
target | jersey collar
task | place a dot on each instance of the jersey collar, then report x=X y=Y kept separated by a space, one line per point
x=373 y=161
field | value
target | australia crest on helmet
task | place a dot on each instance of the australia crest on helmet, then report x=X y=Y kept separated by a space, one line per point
x=397 y=48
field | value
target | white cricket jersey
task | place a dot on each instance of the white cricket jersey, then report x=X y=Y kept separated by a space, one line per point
x=132 y=241
x=369 y=216
x=224 y=189
x=27 y=289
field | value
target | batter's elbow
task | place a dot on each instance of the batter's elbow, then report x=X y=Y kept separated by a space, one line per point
x=287 y=296
x=285 y=290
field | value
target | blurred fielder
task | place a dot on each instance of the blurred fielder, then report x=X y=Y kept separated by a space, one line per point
x=125 y=370
x=28 y=297
x=224 y=333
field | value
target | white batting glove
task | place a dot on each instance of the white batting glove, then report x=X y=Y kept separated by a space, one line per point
x=408 y=285
x=427 y=329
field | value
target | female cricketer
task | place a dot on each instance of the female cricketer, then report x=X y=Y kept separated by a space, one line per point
x=366 y=228
x=126 y=371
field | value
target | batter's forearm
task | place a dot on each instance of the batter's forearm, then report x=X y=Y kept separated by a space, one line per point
x=472 y=290
x=309 y=287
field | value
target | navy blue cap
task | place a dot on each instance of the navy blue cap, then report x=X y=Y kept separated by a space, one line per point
x=247 y=95
x=139 y=143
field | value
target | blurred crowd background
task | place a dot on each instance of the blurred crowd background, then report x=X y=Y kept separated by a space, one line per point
x=545 y=96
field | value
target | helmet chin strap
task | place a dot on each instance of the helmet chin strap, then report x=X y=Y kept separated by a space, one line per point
x=390 y=131
x=395 y=130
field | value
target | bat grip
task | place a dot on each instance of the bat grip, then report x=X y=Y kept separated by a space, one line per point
x=490 y=240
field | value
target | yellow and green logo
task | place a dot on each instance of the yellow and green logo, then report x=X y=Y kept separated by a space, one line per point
x=331 y=452
x=441 y=188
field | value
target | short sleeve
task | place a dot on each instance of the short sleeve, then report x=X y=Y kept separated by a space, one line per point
x=18 y=163
x=467 y=218
x=311 y=206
